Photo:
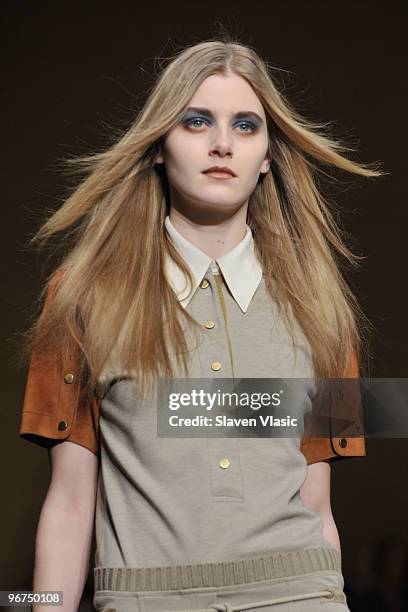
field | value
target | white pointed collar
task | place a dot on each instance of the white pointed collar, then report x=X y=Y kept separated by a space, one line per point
x=240 y=267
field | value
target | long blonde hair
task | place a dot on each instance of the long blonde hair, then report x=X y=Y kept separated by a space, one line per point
x=112 y=283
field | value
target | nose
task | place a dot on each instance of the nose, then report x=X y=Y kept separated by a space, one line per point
x=221 y=143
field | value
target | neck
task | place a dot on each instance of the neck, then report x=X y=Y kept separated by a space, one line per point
x=213 y=238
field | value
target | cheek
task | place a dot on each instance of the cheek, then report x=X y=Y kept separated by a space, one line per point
x=178 y=171
x=252 y=167
x=258 y=149
x=258 y=155
x=256 y=170
x=180 y=155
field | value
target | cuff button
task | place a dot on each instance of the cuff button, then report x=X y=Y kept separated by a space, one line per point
x=343 y=442
x=62 y=425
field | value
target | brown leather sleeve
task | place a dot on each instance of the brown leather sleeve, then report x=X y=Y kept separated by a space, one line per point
x=332 y=448
x=54 y=407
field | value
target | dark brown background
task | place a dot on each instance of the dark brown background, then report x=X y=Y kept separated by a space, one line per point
x=71 y=71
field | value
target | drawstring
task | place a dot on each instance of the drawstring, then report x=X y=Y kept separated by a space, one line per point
x=226 y=607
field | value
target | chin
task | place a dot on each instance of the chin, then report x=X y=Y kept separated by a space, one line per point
x=218 y=203
x=218 y=197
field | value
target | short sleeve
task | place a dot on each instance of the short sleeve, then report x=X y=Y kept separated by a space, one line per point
x=335 y=448
x=55 y=408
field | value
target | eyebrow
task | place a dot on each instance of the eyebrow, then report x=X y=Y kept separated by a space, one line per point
x=240 y=115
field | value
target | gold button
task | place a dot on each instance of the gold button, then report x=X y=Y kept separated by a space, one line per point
x=343 y=442
x=68 y=378
x=216 y=366
x=224 y=463
x=62 y=425
x=209 y=324
x=204 y=283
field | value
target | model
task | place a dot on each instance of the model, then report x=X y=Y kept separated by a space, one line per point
x=199 y=247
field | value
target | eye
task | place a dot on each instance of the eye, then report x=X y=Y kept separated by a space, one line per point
x=251 y=127
x=192 y=122
x=199 y=122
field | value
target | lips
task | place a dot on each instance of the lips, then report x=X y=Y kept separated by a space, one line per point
x=221 y=170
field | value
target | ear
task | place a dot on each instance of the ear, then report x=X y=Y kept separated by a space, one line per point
x=266 y=164
x=158 y=159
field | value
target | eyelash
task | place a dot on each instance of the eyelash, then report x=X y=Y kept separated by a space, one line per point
x=188 y=122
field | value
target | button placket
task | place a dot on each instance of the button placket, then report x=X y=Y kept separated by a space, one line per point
x=225 y=469
x=223 y=453
x=215 y=359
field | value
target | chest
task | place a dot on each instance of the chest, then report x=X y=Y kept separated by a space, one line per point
x=229 y=344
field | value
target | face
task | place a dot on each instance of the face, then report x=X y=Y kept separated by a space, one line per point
x=224 y=126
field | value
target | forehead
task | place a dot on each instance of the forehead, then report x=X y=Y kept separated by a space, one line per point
x=227 y=94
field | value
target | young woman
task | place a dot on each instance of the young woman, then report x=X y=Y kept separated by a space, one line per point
x=202 y=249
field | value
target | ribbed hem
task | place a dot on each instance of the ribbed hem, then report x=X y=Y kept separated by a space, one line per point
x=217 y=574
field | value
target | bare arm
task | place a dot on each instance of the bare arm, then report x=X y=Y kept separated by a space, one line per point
x=65 y=528
x=315 y=495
